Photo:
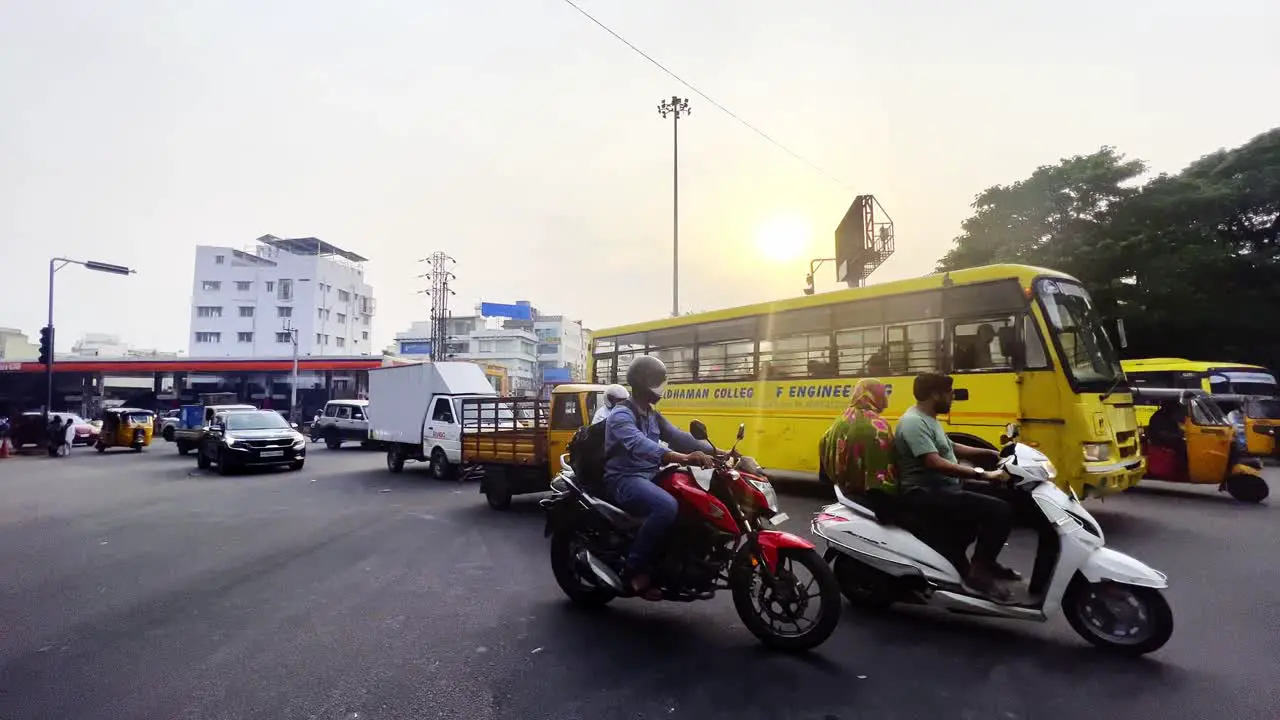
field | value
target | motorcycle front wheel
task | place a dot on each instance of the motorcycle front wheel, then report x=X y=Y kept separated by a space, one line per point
x=565 y=545
x=1123 y=619
x=794 y=611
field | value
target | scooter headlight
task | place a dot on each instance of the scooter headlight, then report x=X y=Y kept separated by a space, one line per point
x=1050 y=471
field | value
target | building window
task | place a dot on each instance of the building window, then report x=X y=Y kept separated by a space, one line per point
x=342 y=318
x=246 y=311
x=340 y=342
x=322 y=313
x=211 y=286
x=366 y=319
x=209 y=311
x=244 y=337
x=318 y=338
x=208 y=337
x=284 y=337
x=364 y=335
x=286 y=290
x=271 y=286
x=344 y=296
x=244 y=285
x=219 y=259
x=284 y=312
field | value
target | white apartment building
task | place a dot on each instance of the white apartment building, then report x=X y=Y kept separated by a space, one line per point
x=548 y=348
x=247 y=303
x=16 y=347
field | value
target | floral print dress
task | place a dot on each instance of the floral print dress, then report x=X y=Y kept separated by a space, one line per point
x=857 y=450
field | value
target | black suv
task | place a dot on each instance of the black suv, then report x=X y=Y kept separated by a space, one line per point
x=247 y=438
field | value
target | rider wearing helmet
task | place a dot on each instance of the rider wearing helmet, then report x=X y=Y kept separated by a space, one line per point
x=634 y=456
x=613 y=395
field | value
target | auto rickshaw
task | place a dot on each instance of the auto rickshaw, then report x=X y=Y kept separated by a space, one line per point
x=1189 y=440
x=125 y=427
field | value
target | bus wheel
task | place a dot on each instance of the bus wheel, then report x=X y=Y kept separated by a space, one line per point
x=1248 y=488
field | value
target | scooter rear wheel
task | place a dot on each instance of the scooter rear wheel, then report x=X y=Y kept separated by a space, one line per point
x=862 y=586
x=1123 y=619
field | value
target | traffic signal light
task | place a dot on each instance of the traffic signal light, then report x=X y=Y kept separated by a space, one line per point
x=46 y=345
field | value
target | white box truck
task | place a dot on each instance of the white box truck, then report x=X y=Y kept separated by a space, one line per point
x=415 y=411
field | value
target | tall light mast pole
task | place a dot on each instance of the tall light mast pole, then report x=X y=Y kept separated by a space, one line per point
x=674 y=108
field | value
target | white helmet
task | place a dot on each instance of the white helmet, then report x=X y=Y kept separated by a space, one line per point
x=615 y=394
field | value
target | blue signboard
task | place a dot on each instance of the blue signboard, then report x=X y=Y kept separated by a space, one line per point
x=519 y=311
x=415 y=347
x=556 y=375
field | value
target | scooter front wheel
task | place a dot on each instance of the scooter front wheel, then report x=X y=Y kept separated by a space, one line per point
x=796 y=609
x=1124 y=619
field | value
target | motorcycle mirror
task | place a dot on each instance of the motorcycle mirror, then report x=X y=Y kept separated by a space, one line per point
x=697 y=429
x=1011 y=431
x=742 y=430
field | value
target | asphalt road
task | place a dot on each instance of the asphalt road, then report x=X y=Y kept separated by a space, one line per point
x=135 y=586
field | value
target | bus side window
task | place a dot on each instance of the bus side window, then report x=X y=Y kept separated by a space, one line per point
x=983 y=344
x=861 y=351
x=1035 y=357
x=915 y=347
x=797 y=344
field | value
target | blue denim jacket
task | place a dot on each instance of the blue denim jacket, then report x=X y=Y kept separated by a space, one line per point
x=640 y=453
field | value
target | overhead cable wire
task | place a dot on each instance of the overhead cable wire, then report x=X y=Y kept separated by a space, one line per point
x=812 y=165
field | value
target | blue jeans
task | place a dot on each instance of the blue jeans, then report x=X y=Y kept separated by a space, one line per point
x=639 y=496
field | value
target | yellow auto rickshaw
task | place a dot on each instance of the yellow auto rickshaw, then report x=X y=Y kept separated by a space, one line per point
x=1190 y=440
x=126 y=427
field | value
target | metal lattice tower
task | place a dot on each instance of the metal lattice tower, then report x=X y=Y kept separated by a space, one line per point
x=439 y=277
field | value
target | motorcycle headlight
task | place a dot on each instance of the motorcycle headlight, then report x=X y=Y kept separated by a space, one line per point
x=770 y=495
x=1049 y=470
x=1097 y=452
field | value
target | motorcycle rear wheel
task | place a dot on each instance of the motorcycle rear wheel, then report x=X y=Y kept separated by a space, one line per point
x=749 y=586
x=564 y=565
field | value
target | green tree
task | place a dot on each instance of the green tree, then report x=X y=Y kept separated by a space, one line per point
x=1190 y=261
x=1049 y=218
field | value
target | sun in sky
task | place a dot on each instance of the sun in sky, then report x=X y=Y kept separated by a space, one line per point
x=783 y=238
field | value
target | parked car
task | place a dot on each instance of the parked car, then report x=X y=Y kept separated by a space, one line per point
x=30 y=428
x=250 y=438
x=342 y=421
x=167 y=423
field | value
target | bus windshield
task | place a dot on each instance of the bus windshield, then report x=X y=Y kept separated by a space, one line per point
x=1087 y=354
x=1243 y=383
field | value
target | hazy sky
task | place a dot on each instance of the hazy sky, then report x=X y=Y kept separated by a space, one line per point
x=524 y=141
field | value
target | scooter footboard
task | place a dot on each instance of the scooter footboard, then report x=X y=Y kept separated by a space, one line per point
x=1107 y=565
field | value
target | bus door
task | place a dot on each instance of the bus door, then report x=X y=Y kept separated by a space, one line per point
x=982 y=352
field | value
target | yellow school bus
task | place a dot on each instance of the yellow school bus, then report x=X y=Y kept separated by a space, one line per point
x=1024 y=345
x=1251 y=387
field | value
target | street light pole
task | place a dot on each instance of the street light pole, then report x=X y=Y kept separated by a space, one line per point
x=675 y=107
x=56 y=264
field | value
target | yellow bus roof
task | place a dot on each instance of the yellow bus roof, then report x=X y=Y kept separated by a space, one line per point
x=1024 y=274
x=1181 y=365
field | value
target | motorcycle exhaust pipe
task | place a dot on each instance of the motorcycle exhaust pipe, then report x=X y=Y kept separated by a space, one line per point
x=598 y=569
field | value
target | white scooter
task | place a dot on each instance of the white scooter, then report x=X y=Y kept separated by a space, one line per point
x=1110 y=599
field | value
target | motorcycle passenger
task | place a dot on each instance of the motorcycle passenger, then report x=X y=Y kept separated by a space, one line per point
x=613 y=395
x=856 y=452
x=932 y=482
x=634 y=456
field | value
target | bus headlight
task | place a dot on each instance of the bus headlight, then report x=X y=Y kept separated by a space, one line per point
x=1097 y=452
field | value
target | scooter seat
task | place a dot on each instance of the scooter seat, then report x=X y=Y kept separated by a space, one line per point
x=862 y=510
x=613 y=513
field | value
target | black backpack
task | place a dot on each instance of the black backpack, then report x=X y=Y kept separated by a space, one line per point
x=587 y=453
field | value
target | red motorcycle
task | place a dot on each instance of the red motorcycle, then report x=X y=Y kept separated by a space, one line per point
x=722 y=540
